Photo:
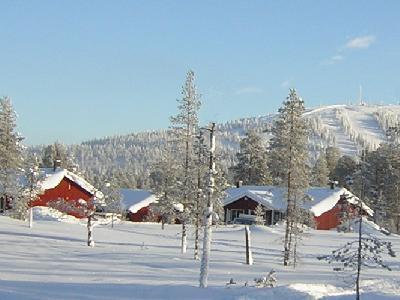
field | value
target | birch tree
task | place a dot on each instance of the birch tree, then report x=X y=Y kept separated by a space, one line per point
x=289 y=157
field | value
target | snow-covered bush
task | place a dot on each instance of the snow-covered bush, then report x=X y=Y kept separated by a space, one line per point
x=268 y=281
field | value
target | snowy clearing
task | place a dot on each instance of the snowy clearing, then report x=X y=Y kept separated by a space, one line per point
x=140 y=261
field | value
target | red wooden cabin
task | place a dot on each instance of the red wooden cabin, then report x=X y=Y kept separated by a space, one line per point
x=63 y=184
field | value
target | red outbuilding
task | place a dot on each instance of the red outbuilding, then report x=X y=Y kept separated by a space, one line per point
x=136 y=203
x=66 y=185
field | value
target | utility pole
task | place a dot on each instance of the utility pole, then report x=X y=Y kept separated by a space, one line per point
x=205 y=259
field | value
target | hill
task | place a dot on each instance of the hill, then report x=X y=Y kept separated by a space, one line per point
x=349 y=127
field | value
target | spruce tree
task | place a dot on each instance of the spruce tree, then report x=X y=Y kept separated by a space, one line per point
x=164 y=185
x=252 y=167
x=185 y=126
x=289 y=163
x=11 y=158
x=320 y=171
x=344 y=170
x=332 y=156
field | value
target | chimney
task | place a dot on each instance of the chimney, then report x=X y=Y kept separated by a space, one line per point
x=56 y=164
x=332 y=184
x=239 y=183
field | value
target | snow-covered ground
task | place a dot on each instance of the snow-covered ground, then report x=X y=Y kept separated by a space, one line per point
x=141 y=261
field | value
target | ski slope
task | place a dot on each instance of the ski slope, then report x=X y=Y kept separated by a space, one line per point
x=141 y=261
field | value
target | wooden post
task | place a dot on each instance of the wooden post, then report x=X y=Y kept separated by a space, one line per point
x=249 y=256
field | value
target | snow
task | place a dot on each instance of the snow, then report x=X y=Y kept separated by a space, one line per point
x=133 y=200
x=42 y=213
x=272 y=197
x=141 y=261
x=52 y=178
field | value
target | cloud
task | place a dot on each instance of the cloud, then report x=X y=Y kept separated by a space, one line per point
x=333 y=60
x=360 y=42
x=249 y=90
x=285 y=83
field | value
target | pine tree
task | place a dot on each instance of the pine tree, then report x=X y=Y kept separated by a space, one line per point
x=344 y=170
x=260 y=213
x=289 y=163
x=332 y=156
x=56 y=155
x=164 y=185
x=30 y=190
x=11 y=158
x=320 y=172
x=185 y=125
x=252 y=167
x=112 y=199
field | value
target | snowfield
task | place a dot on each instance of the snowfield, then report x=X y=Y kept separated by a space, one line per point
x=141 y=261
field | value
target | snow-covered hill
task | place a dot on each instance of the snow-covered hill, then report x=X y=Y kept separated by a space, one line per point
x=350 y=127
x=141 y=261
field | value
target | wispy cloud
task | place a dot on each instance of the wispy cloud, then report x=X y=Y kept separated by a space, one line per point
x=360 y=42
x=285 y=83
x=333 y=60
x=249 y=90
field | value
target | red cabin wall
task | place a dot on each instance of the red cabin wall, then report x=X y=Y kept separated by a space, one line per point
x=67 y=190
x=140 y=215
x=329 y=219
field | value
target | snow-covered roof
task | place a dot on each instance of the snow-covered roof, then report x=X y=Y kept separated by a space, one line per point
x=134 y=200
x=52 y=178
x=272 y=197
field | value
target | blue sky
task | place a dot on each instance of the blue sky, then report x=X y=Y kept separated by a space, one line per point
x=77 y=70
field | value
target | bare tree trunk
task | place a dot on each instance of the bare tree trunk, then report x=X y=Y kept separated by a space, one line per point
x=30 y=217
x=90 y=241
x=184 y=238
x=112 y=220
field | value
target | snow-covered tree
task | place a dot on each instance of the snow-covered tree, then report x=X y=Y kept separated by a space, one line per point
x=366 y=251
x=185 y=126
x=55 y=155
x=164 y=185
x=11 y=158
x=344 y=170
x=200 y=204
x=289 y=163
x=208 y=213
x=320 y=171
x=332 y=155
x=112 y=199
x=31 y=190
x=252 y=166
x=260 y=213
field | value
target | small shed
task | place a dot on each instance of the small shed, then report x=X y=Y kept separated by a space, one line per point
x=135 y=203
